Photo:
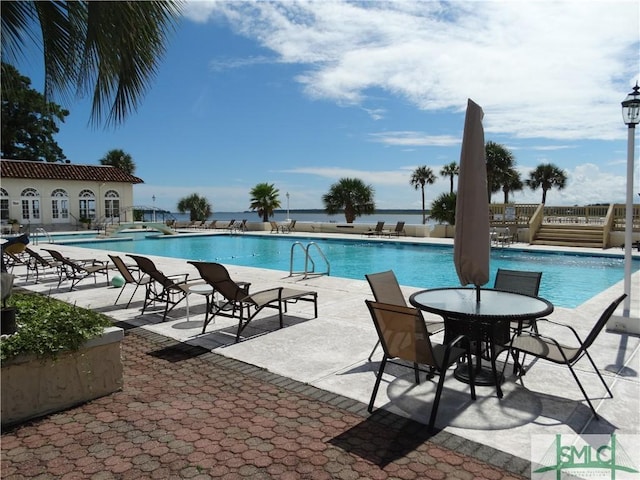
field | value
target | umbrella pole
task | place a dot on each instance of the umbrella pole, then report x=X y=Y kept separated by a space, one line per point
x=477 y=294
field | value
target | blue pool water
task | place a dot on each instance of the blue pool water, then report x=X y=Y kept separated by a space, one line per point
x=568 y=279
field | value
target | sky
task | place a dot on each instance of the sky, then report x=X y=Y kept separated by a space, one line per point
x=302 y=94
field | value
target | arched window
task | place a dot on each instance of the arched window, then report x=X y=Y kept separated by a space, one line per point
x=4 y=204
x=87 y=204
x=30 y=203
x=59 y=205
x=111 y=204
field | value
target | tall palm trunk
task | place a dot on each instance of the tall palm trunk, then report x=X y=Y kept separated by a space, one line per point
x=424 y=211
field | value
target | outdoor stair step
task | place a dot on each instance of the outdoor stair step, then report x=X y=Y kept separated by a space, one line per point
x=570 y=235
x=554 y=234
x=573 y=225
x=570 y=243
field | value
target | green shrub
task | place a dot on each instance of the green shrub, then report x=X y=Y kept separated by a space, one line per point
x=48 y=326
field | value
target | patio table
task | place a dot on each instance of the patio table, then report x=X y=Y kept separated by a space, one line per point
x=484 y=321
x=200 y=289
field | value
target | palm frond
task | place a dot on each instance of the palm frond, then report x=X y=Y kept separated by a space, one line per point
x=109 y=50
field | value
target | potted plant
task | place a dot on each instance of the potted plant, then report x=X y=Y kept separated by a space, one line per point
x=15 y=225
x=86 y=222
x=60 y=356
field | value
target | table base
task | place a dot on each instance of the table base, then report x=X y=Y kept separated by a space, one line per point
x=483 y=377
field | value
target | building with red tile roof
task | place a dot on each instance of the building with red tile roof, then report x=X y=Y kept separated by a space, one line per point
x=55 y=194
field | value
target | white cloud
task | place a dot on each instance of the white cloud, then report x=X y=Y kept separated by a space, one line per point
x=231 y=63
x=551 y=70
x=415 y=139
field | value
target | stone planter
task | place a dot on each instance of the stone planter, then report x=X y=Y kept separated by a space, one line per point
x=32 y=387
x=443 y=231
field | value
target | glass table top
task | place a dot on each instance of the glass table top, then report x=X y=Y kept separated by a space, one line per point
x=493 y=303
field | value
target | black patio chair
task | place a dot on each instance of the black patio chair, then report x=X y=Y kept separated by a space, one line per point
x=519 y=281
x=78 y=270
x=550 y=349
x=386 y=289
x=238 y=300
x=168 y=290
x=37 y=264
x=132 y=275
x=403 y=335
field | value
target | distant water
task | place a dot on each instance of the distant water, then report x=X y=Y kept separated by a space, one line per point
x=388 y=218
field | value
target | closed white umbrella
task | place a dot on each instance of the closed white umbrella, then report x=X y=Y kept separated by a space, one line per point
x=472 y=247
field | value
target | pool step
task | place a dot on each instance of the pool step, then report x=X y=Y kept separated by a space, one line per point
x=588 y=236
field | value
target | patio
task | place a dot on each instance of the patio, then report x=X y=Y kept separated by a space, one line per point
x=330 y=354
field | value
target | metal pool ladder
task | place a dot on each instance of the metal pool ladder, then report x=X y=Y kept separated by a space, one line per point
x=309 y=264
x=42 y=231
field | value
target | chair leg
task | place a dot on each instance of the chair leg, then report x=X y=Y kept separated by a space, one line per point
x=436 y=400
x=120 y=294
x=374 y=349
x=377 y=384
x=147 y=299
x=131 y=298
x=166 y=310
x=599 y=374
x=213 y=308
x=584 y=393
x=240 y=323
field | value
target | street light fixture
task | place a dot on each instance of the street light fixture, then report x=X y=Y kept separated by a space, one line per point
x=631 y=117
x=288 y=218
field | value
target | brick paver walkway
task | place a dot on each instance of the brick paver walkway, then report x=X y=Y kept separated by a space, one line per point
x=187 y=413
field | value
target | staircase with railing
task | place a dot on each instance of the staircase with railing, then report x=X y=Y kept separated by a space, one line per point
x=575 y=226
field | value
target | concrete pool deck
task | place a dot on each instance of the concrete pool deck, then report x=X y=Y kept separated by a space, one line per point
x=330 y=353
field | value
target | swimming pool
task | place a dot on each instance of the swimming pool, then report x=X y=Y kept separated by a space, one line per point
x=568 y=279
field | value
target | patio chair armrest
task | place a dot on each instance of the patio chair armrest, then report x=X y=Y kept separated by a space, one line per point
x=184 y=277
x=573 y=330
x=134 y=270
x=450 y=345
x=533 y=335
x=457 y=340
x=82 y=261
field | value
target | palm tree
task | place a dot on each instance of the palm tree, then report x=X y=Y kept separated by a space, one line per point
x=199 y=207
x=120 y=159
x=110 y=50
x=546 y=176
x=443 y=208
x=500 y=161
x=350 y=195
x=264 y=199
x=511 y=183
x=451 y=170
x=420 y=177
